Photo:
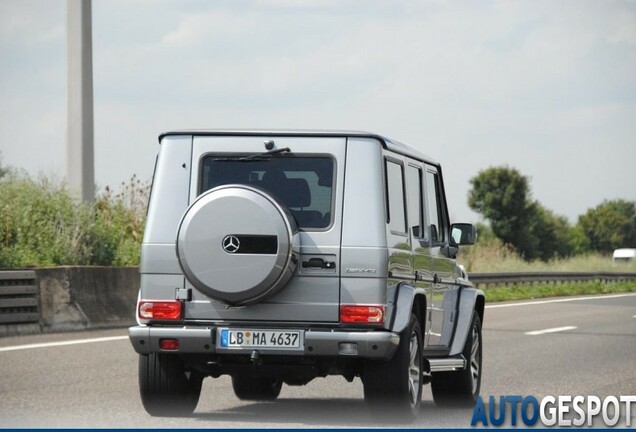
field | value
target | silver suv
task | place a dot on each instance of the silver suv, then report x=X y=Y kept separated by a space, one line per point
x=281 y=256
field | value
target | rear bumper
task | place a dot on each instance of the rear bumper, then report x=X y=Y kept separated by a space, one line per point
x=201 y=340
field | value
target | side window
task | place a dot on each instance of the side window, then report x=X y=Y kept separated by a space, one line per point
x=434 y=208
x=414 y=194
x=395 y=197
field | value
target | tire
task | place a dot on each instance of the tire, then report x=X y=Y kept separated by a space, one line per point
x=461 y=388
x=256 y=389
x=167 y=389
x=395 y=387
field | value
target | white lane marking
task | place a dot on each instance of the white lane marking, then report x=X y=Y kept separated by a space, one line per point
x=61 y=343
x=550 y=330
x=539 y=302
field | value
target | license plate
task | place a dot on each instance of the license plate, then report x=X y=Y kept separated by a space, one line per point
x=272 y=339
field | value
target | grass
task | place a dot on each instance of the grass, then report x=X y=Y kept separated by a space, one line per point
x=535 y=291
x=490 y=256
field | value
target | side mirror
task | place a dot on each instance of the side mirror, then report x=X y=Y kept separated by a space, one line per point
x=450 y=250
x=463 y=233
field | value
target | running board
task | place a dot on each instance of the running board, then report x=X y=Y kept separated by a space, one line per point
x=447 y=364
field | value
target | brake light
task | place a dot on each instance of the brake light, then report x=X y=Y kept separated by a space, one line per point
x=161 y=310
x=367 y=314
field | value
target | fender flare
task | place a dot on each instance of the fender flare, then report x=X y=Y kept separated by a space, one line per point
x=471 y=299
x=406 y=295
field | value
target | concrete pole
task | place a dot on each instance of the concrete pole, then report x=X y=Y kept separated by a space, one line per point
x=79 y=100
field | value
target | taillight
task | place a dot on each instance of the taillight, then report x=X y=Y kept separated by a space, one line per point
x=367 y=314
x=160 y=310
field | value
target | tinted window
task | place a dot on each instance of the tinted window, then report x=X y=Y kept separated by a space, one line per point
x=395 y=196
x=414 y=189
x=434 y=208
x=304 y=184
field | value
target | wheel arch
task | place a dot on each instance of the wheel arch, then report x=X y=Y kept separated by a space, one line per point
x=471 y=300
x=480 y=305
x=409 y=300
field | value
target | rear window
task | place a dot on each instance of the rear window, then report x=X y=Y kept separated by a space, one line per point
x=303 y=184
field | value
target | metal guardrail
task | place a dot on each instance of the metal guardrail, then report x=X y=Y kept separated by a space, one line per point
x=19 y=289
x=18 y=297
x=514 y=278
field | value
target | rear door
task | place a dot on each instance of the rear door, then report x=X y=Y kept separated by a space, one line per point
x=445 y=289
x=313 y=293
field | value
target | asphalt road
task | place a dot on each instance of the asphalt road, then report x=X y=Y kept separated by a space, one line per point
x=589 y=349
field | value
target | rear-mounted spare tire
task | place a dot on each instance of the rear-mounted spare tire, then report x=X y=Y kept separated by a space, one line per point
x=237 y=244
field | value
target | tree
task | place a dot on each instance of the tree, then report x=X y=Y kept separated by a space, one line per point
x=551 y=234
x=608 y=226
x=502 y=196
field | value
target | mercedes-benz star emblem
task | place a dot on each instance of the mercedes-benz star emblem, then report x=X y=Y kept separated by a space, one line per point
x=231 y=244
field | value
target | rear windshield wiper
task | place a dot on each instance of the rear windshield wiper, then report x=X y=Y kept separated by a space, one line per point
x=255 y=157
x=266 y=154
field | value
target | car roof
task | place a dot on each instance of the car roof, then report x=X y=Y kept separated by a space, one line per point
x=388 y=143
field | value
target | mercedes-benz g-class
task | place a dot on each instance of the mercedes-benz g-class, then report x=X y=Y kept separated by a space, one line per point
x=277 y=257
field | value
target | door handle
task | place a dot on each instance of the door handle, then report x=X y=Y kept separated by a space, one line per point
x=319 y=263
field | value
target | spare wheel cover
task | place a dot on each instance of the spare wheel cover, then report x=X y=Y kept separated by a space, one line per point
x=237 y=244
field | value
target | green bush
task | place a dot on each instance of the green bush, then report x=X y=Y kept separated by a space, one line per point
x=41 y=225
x=119 y=224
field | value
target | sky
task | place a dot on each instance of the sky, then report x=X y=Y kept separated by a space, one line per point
x=546 y=87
